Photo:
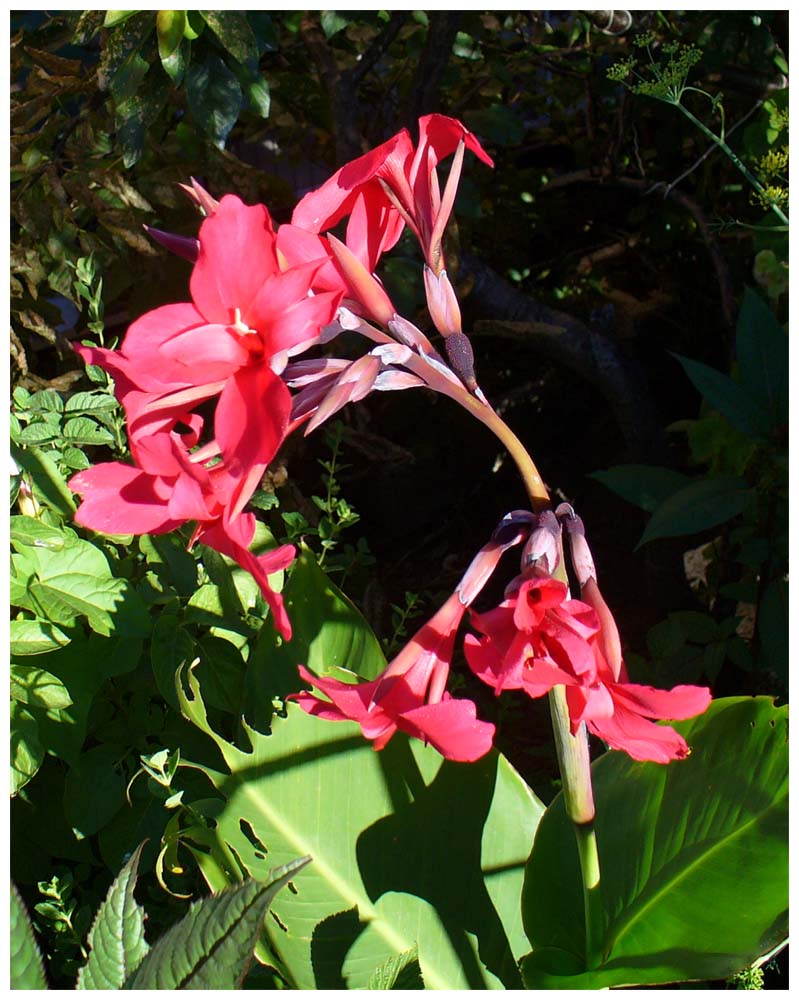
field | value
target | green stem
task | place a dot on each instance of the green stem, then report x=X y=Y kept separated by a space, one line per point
x=575 y=770
x=735 y=159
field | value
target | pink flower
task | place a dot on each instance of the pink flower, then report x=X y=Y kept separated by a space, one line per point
x=166 y=491
x=409 y=695
x=392 y=185
x=538 y=638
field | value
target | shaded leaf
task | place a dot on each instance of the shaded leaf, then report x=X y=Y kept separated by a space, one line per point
x=762 y=348
x=94 y=791
x=27 y=752
x=701 y=504
x=212 y=946
x=647 y=486
x=728 y=397
x=116 y=938
x=215 y=98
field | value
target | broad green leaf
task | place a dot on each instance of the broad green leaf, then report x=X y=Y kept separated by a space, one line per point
x=328 y=631
x=408 y=850
x=38 y=433
x=694 y=859
x=31 y=531
x=27 y=752
x=647 y=486
x=400 y=972
x=212 y=946
x=171 y=648
x=34 y=686
x=48 y=483
x=116 y=938
x=762 y=348
x=728 y=397
x=701 y=504
x=169 y=25
x=170 y=560
x=29 y=637
x=94 y=790
x=234 y=33
x=25 y=960
x=75 y=581
x=214 y=97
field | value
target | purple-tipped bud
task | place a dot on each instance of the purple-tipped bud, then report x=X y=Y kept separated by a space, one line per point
x=461 y=358
x=186 y=247
x=541 y=554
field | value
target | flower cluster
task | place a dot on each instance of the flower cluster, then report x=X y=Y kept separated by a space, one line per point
x=260 y=296
x=538 y=637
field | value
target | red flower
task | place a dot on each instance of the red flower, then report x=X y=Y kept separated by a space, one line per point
x=390 y=186
x=168 y=490
x=409 y=695
x=537 y=638
x=246 y=317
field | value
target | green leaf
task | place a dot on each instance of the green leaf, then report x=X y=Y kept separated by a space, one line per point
x=694 y=859
x=332 y=22
x=83 y=430
x=212 y=947
x=215 y=98
x=701 y=504
x=48 y=482
x=400 y=972
x=114 y=17
x=77 y=581
x=647 y=486
x=137 y=113
x=117 y=936
x=90 y=402
x=25 y=959
x=34 y=686
x=83 y=666
x=29 y=637
x=169 y=26
x=773 y=629
x=409 y=850
x=234 y=33
x=728 y=397
x=170 y=649
x=94 y=791
x=27 y=752
x=762 y=348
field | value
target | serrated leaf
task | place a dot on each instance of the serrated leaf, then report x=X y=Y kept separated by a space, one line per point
x=25 y=960
x=400 y=972
x=702 y=504
x=214 y=97
x=116 y=938
x=212 y=947
x=647 y=486
x=34 y=686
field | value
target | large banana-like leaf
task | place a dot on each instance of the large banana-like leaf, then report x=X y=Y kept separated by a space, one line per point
x=409 y=851
x=694 y=859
